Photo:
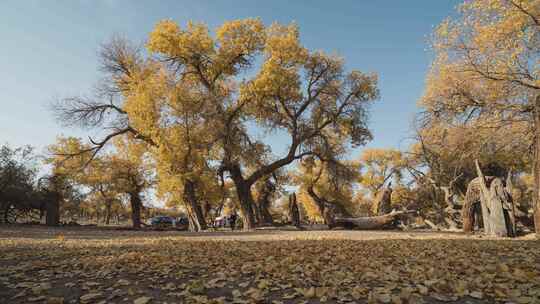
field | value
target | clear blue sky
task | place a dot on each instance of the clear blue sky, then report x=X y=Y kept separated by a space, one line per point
x=49 y=49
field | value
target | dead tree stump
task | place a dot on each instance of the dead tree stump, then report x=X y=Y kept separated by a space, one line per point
x=496 y=205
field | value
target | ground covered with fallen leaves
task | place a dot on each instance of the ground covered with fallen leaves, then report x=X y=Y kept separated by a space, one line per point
x=78 y=265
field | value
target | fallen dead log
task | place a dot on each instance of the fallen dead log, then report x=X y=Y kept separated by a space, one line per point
x=369 y=222
x=431 y=225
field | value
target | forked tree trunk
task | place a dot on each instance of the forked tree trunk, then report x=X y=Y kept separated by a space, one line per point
x=136 y=203
x=194 y=210
x=327 y=208
x=245 y=198
x=324 y=207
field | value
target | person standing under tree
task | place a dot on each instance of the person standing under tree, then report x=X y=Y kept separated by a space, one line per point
x=232 y=219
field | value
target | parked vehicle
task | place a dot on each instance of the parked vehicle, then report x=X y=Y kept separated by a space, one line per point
x=226 y=221
x=162 y=221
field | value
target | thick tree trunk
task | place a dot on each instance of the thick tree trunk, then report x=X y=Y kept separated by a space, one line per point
x=263 y=203
x=536 y=166
x=245 y=198
x=194 y=210
x=52 y=208
x=53 y=199
x=329 y=216
x=108 y=212
x=52 y=215
x=136 y=204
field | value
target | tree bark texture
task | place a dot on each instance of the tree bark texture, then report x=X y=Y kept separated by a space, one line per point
x=194 y=210
x=536 y=166
x=263 y=204
x=245 y=198
x=136 y=204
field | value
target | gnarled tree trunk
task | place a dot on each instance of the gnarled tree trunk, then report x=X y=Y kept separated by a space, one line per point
x=472 y=202
x=496 y=205
x=325 y=209
x=245 y=197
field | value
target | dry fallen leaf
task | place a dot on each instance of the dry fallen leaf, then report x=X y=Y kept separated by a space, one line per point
x=87 y=298
x=142 y=300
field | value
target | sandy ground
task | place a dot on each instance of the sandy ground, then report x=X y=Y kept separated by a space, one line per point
x=280 y=266
x=263 y=234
